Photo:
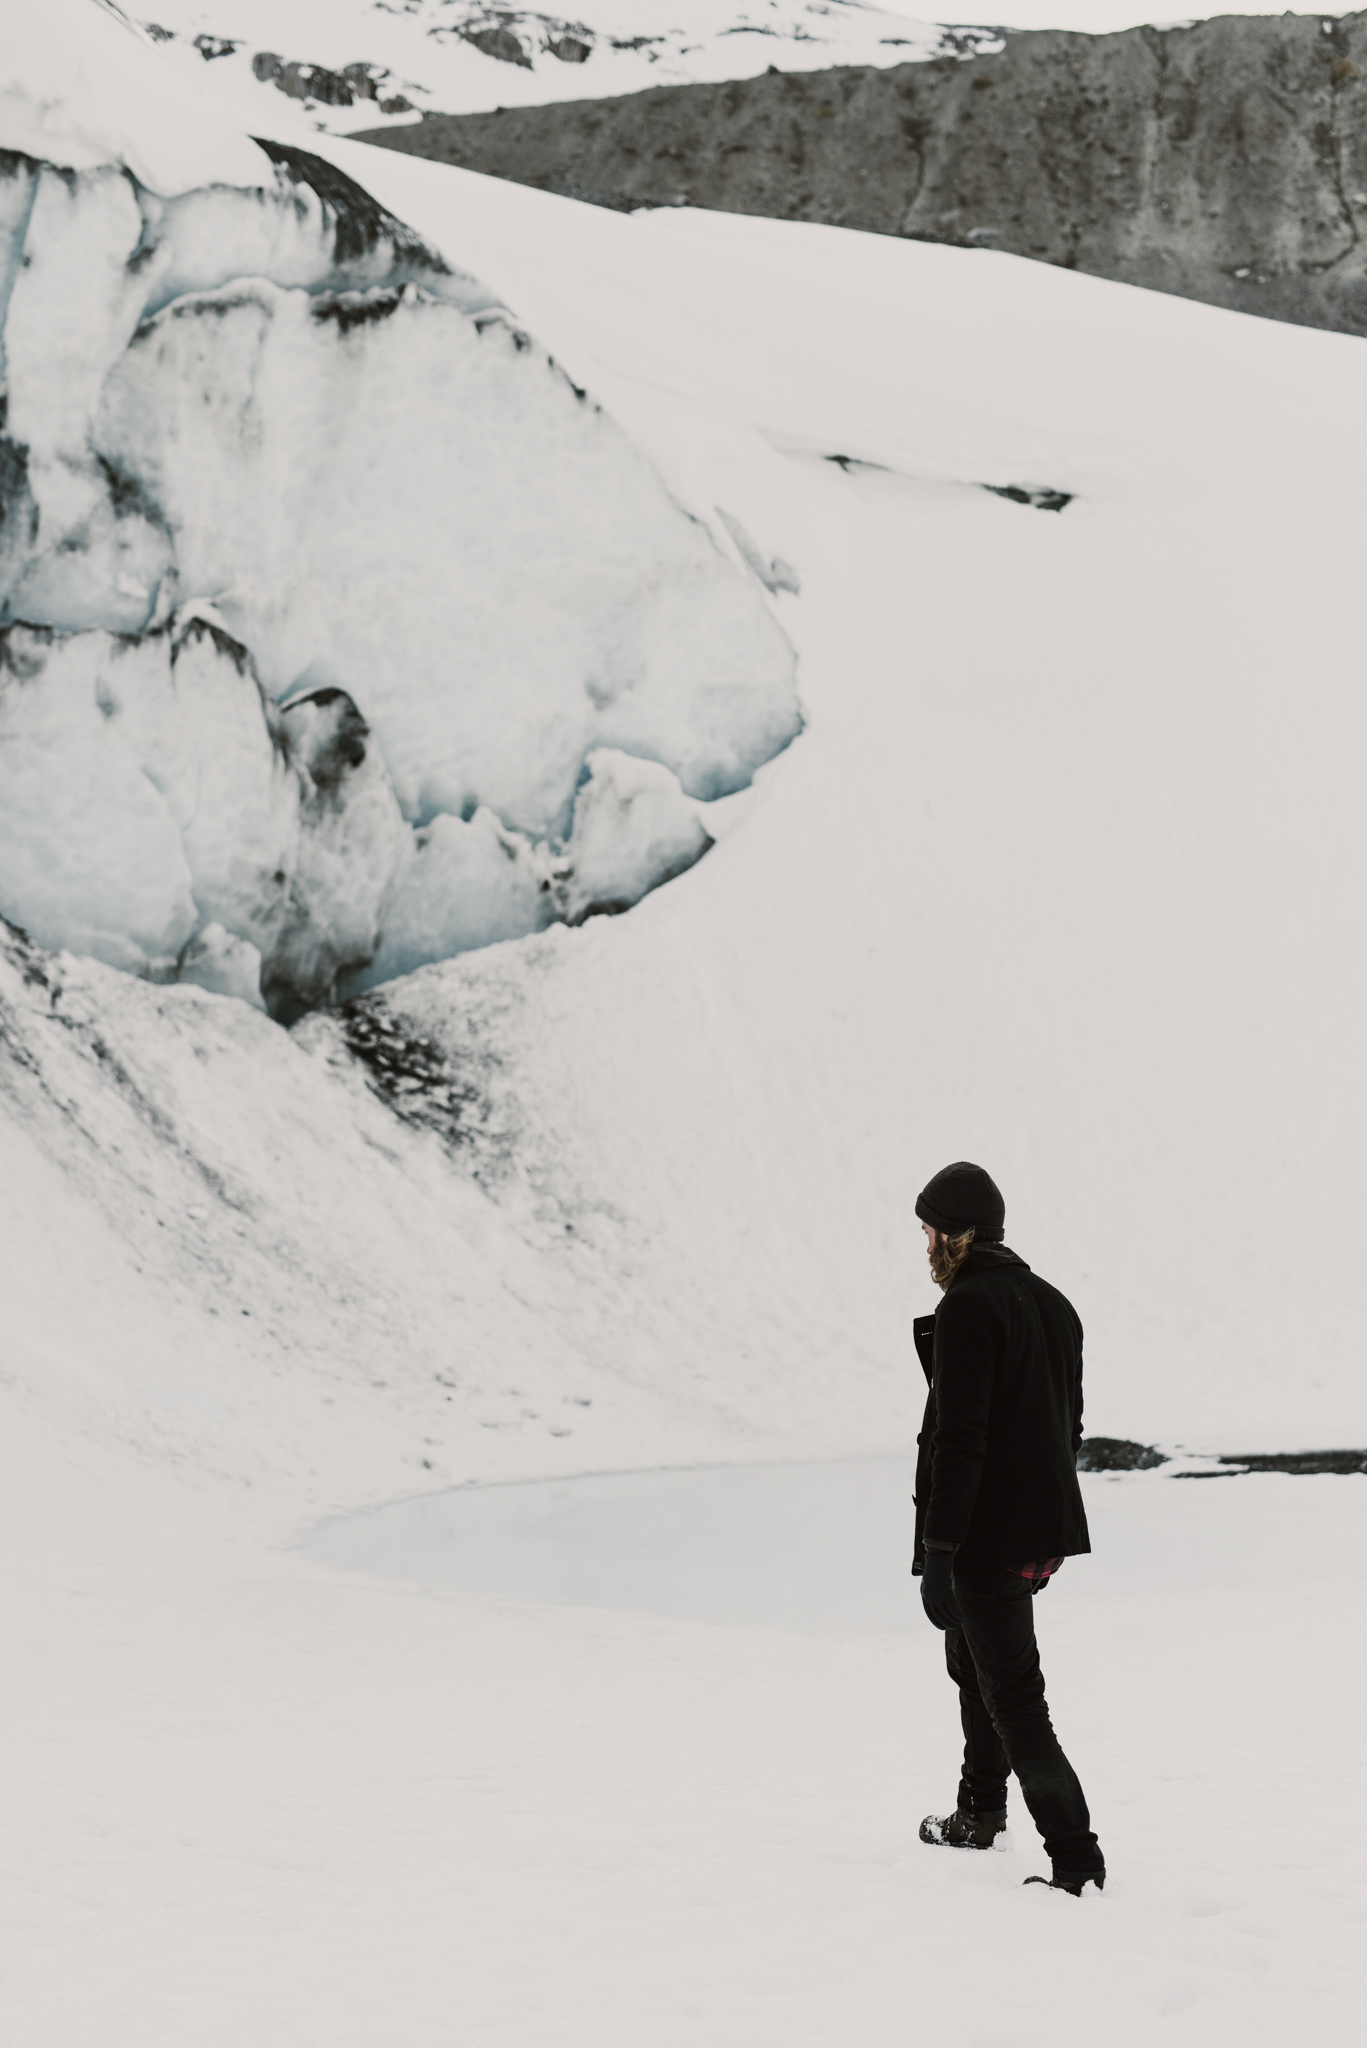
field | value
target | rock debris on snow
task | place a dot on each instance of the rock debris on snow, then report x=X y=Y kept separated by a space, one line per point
x=1116 y=1454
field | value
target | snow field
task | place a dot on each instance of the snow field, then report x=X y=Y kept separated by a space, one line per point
x=253 y=1795
x=258 y=1797
x=1057 y=876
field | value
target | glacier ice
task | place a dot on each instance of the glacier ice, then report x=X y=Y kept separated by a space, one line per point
x=632 y=831
x=91 y=256
x=225 y=966
x=469 y=883
x=342 y=632
x=386 y=494
x=90 y=853
x=149 y=790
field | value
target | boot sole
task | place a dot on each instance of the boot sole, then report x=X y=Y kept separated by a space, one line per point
x=943 y=1842
x=1074 y=1891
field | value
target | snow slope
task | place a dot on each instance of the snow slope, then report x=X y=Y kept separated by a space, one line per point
x=1089 y=833
x=1058 y=876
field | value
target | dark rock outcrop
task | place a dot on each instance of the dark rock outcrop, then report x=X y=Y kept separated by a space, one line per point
x=1225 y=161
x=1117 y=1454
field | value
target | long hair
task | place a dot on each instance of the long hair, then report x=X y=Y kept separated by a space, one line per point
x=946 y=1258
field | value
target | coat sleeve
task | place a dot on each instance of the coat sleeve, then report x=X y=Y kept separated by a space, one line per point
x=965 y=1367
x=1077 y=1395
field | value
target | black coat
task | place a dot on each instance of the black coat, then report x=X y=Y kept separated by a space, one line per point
x=996 y=1468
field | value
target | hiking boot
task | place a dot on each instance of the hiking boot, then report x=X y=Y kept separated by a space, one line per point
x=963 y=1830
x=1071 y=1881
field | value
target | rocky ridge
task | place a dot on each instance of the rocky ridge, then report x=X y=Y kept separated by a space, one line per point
x=1222 y=160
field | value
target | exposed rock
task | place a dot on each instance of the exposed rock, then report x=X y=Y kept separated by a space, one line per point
x=1224 y=161
x=425 y=1085
x=500 y=43
x=1042 y=496
x=314 y=82
x=1117 y=1454
x=1300 y=1464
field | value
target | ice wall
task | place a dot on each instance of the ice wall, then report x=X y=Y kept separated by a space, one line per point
x=273 y=474
x=159 y=811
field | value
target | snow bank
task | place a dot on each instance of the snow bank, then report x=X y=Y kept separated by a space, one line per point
x=210 y=399
x=80 y=86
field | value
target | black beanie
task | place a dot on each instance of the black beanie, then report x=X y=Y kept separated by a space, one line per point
x=961 y=1195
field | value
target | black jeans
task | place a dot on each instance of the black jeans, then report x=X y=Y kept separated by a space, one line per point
x=993 y=1659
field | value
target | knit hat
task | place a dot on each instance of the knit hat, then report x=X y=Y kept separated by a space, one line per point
x=962 y=1195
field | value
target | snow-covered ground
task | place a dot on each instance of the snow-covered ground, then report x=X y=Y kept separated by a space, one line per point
x=1059 y=870
x=250 y=1799
x=1062 y=873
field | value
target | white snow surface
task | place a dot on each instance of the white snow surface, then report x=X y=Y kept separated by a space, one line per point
x=80 y=88
x=1062 y=875
x=256 y=1799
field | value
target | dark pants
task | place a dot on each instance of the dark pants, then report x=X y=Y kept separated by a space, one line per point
x=993 y=1659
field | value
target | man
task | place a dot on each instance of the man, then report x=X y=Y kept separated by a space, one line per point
x=998 y=1508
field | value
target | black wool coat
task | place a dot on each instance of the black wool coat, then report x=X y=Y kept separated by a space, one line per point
x=996 y=1465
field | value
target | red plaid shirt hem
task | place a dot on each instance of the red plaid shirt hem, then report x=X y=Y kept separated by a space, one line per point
x=1037 y=1573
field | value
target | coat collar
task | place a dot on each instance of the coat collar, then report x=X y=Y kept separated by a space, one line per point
x=983 y=1258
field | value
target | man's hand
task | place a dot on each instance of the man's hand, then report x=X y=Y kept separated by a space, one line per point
x=937 y=1589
